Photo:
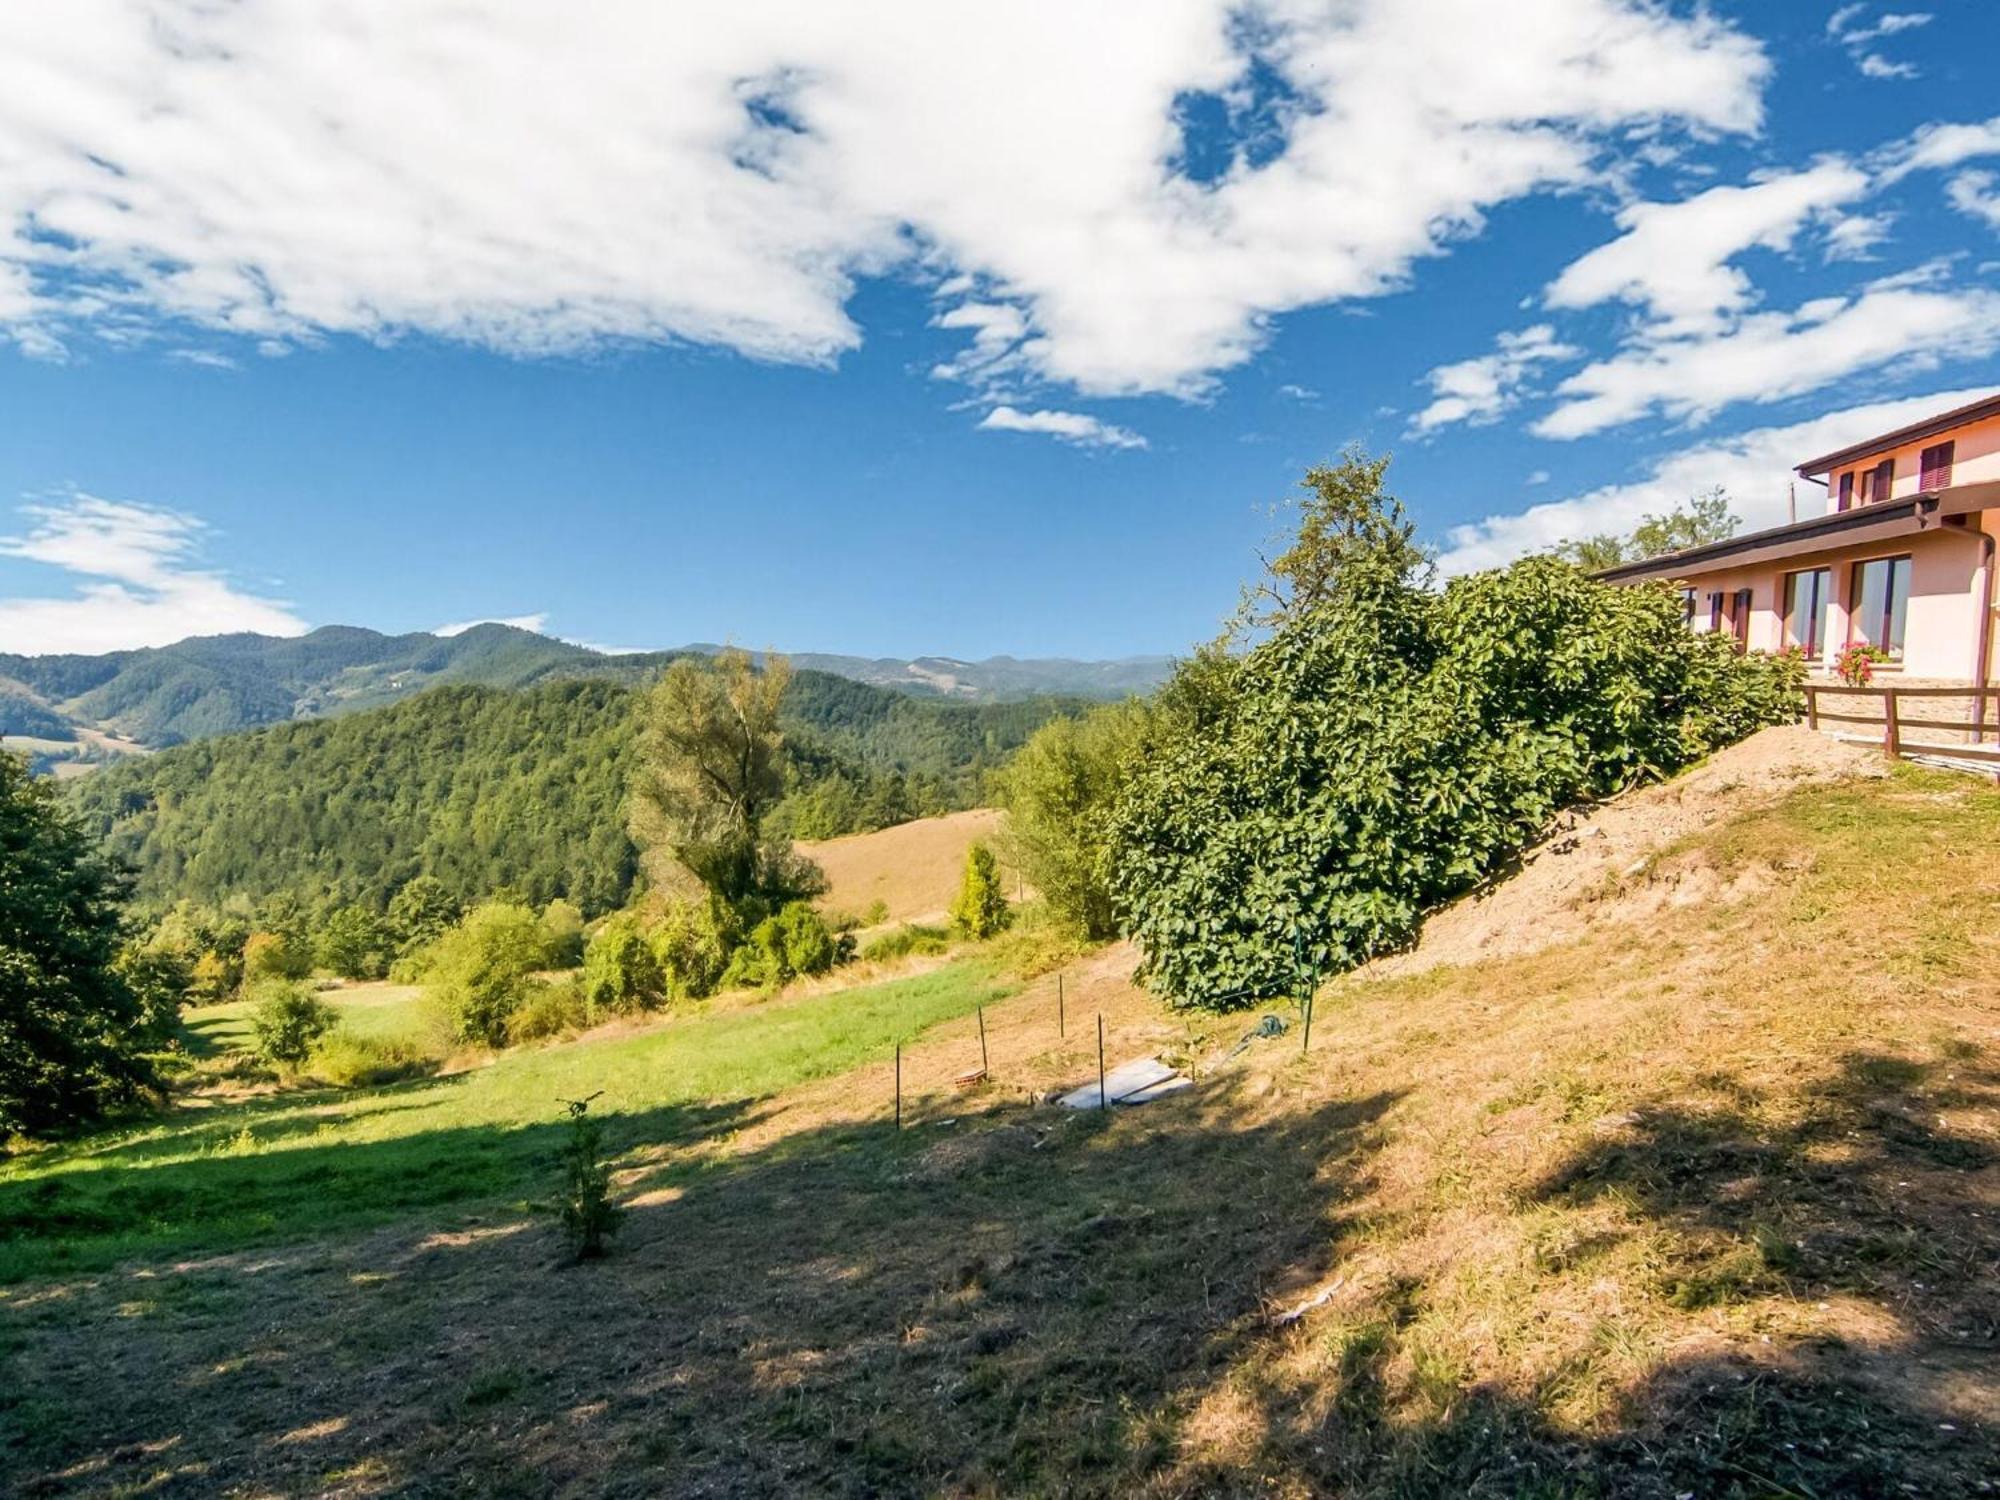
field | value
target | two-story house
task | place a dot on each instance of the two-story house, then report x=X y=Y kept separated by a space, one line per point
x=1902 y=557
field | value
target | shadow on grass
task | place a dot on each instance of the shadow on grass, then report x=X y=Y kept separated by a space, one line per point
x=1853 y=1189
x=1033 y=1302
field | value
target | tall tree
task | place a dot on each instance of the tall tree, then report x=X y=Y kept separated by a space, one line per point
x=70 y=1026
x=1703 y=519
x=1345 y=514
x=710 y=769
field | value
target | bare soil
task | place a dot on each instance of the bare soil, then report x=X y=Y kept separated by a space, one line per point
x=1607 y=864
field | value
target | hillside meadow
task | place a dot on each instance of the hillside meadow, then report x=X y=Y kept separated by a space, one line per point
x=1690 y=1200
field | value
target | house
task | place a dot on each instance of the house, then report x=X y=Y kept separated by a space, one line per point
x=1901 y=558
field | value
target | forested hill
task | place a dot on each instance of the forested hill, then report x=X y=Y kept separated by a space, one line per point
x=486 y=788
x=210 y=685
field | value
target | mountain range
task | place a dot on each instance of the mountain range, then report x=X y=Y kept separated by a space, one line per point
x=81 y=709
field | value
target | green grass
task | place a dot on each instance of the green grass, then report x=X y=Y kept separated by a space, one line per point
x=377 y=1012
x=301 y=1165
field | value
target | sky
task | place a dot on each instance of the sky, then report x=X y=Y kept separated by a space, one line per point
x=928 y=328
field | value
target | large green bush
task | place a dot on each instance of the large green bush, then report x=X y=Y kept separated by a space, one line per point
x=1386 y=748
x=620 y=970
x=288 y=1021
x=479 y=972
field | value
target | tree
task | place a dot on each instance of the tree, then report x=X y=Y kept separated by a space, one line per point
x=1057 y=791
x=160 y=979
x=421 y=912
x=1346 y=514
x=70 y=1027
x=275 y=955
x=710 y=768
x=354 y=943
x=564 y=925
x=1705 y=518
x=980 y=909
x=1385 y=752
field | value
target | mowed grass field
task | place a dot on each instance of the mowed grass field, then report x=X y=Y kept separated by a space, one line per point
x=323 y=1161
x=1702 y=1201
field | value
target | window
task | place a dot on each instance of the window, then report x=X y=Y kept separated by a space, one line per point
x=1847 y=490
x=1881 y=480
x=1739 y=619
x=1806 y=595
x=1687 y=608
x=1935 y=468
x=1880 y=604
x=1715 y=611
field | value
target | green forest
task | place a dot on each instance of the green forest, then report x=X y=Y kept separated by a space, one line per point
x=488 y=789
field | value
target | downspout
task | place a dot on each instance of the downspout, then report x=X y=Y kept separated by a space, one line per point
x=1983 y=649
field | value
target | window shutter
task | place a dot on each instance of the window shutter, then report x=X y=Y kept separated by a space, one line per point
x=1847 y=489
x=1936 y=463
x=1884 y=480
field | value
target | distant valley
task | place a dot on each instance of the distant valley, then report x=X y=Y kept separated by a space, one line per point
x=70 y=712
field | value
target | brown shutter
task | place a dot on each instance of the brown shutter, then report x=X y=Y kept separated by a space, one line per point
x=1936 y=465
x=1884 y=480
x=1847 y=489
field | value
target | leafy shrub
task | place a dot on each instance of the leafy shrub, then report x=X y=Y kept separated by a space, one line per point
x=780 y=948
x=621 y=973
x=346 y=1060
x=288 y=1022
x=910 y=938
x=275 y=955
x=159 y=978
x=563 y=922
x=582 y=1206
x=479 y=971
x=1383 y=750
x=980 y=909
x=692 y=942
x=552 y=1009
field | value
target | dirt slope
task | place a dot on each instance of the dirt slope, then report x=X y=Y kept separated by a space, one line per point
x=1605 y=865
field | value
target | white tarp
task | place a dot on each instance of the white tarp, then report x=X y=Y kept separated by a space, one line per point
x=1136 y=1082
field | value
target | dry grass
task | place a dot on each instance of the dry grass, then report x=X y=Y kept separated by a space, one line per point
x=913 y=869
x=1702 y=1205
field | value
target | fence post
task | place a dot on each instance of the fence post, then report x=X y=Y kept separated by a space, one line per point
x=1062 y=1021
x=1306 y=1046
x=1103 y=1101
x=899 y=1085
x=1892 y=734
x=982 y=1038
x=1812 y=706
x=1979 y=717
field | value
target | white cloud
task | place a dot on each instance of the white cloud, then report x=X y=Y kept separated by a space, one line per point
x=1754 y=467
x=537 y=179
x=1974 y=193
x=1070 y=426
x=1942 y=145
x=1298 y=392
x=136 y=579
x=1674 y=258
x=1771 y=356
x=1855 y=236
x=1478 y=390
x=1847 y=28
x=532 y=622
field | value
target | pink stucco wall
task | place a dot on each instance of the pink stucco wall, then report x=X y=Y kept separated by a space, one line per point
x=1947 y=597
x=1976 y=457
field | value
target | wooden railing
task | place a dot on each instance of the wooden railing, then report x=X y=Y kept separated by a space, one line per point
x=1910 y=732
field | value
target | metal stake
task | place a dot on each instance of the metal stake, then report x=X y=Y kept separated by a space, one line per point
x=982 y=1037
x=1062 y=1023
x=899 y=1085
x=1307 y=1045
x=1103 y=1100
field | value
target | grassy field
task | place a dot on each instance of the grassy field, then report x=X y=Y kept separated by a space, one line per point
x=380 y=1012
x=1706 y=1202
x=304 y=1164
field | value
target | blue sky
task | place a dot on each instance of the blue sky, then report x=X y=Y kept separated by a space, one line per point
x=898 y=330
